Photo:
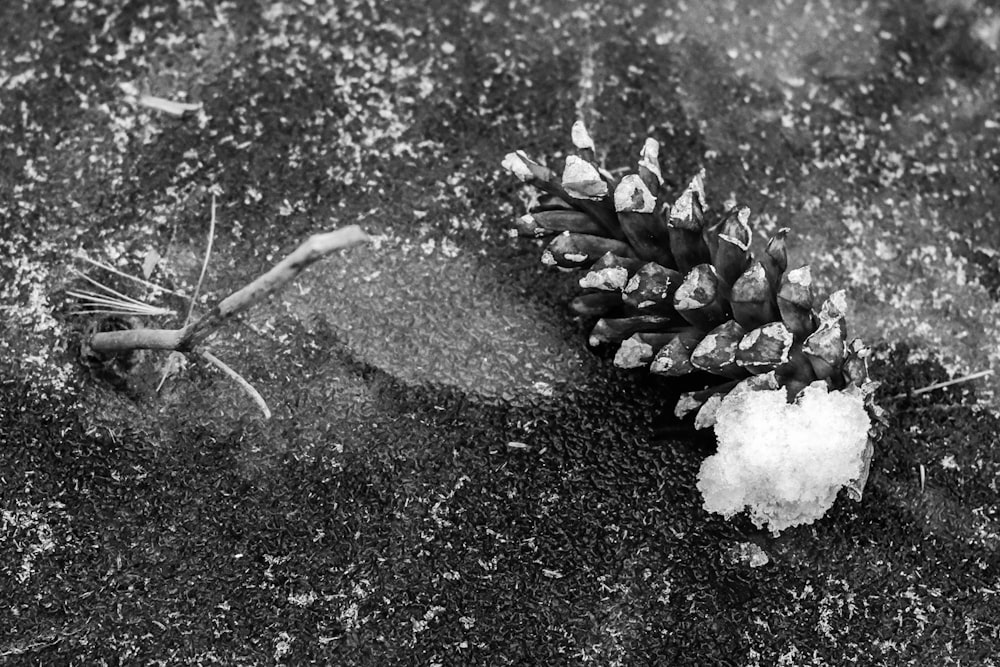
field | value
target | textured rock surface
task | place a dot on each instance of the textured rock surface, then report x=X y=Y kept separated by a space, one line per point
x=451 y=477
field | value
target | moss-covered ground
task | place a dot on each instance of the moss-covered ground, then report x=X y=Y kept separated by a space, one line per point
x=451 y=477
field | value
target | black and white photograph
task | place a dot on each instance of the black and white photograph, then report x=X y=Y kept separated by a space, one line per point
x=500 y=333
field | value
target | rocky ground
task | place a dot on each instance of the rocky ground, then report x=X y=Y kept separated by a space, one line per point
x=451 y=477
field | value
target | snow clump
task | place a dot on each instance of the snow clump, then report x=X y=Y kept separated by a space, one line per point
x=785 y=462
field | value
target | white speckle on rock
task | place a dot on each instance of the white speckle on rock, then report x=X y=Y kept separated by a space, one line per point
x=302 y=599
x=283 y=645
x=949 y=463
x=543 y=388
x=29 y=535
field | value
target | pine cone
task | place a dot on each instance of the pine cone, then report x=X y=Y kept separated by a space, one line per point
x=677 y=289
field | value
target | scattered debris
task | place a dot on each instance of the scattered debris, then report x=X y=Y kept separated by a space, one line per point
x=748 y=553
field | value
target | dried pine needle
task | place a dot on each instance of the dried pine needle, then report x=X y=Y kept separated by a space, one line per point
x=94 y=303
x=112 y=302
x=204 y=264
x=942 y=385
x=177 y=109
x=147 y=283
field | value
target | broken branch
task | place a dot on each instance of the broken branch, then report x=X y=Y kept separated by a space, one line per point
x=188 y=337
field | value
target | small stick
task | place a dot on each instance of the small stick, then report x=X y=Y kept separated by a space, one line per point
x=942 y=385
x=190 y=336
x=244 y=385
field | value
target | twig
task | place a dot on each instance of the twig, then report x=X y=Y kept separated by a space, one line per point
x=186 y=339
x=942 y=385
x=191 y=335
x=240 y=380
